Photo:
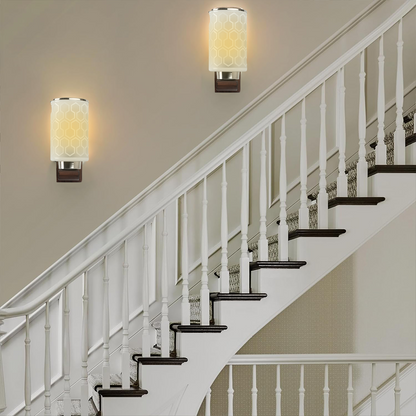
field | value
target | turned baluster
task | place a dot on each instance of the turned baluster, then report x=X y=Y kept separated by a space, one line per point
x=106 y=326
x=224 y=274
x=165 y=310
x=263 y=250
x=254 y=392
x=208 y=403
x=342 y=181
x=302 y=391
x=244 y=259
x=125 y=353
x=326 y=391
x=397 y=391
x=186 y=308
x=204 y=259
x=145 y=296
x=28 y=382
x=230 y=391
x=373 y=390
x=381 y=149
x=278 y=391
x=350 y=392
x=84 y=348
x=303 y=210
x=67 y=358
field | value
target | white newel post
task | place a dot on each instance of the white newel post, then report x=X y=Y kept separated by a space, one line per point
x=145 y=296
x=342 y=180
x=84 y=348
x=302 y=391
x=204 y=259
x=244 y=259
x=254 y=392
x=164 y=324
x=47 y=371
x=28 y=381
x=326 y=391
x=350 y=392
x=230 y=391
x=381 y=149
x=106 y=326
x=67 y=357
x=397 y=391
x=283 y=229
x=186 y=309
x=373 y=390
x=303 y=210
x=208 y=403
x=224 y=273
x=278 y=392
x=125 y=354
x=362 y=166
x=322 y=195
x=263 y=243
x=2 y=385
x=399 y=134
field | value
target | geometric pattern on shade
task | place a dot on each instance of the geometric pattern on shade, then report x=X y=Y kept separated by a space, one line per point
x=228 y=41
x=69 y=130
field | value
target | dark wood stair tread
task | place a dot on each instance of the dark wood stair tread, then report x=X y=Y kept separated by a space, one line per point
x=360 y=200
x=257 y=265
x=197 y=328
x=335 y=232
x=391 y=169
x=409 y=140
x=159 y=360
x=216 y=296
x=117 y=391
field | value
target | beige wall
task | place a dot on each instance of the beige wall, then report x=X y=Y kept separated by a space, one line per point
x=366 y=305
x=143 y=65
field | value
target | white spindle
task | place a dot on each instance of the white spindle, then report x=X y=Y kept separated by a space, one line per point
x=3 y=404
x=208 y=403
x=381 y=102
x=224 y=274
x=323 y=195
x=254 y=392
x=399 y=134
x=302 y=391
x=165 y=310
x=342 y=182
x=283 y=229
x=67 y=357
x=125 y=353
x=106 y=327
x=204 y=259
x=350 y=392
x=373 y=390
x=186 y=310
x=145 y=296
x=84 y=348
x=303 y=210
x=362 y=166
x=326 y=391
x=278 y=392
x=28 y=382
x=263 y=250
x=47 y=372
x=244 y=259
x=397 y=391
x=230 y=391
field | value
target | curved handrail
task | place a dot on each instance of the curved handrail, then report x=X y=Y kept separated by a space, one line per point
x=215 y=163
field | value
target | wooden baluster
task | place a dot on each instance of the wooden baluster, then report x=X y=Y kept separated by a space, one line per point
x=254 y=393
x=399 y=134
x=263 y=251
x=145 y=296
x=208 y=403
x=3 y=403
x=28 y=382
x=350 y=392
x=303 y=210
x=67 y=357
x=106 y=327
x=244 y=259
x=283 y=229
x=125 y=353
x=186 y=309
x=373 y=390
x=397 y=390
x=204 y=259
x=165 y=310
x=230 y=391
x=381 y=148
x=323 y=195
x=84 y=348
x=342 y=182
x=224 y=274
x=302 y=391
x=47 y=372
x=278 y=392
x=326 y=391
x=362 y=166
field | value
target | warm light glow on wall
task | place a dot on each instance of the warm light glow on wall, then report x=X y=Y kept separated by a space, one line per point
x=69 y=130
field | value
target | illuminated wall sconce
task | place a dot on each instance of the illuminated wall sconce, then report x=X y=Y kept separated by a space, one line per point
x=228 y=47
x=69 y=137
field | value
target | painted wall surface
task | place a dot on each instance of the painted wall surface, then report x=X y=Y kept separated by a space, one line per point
x=367 y=305
x=143 y=66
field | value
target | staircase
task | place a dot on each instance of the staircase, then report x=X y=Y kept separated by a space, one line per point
x=164 y=363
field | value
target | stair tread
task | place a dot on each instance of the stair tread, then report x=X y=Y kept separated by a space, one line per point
x=391 y=169
x=217 y=296
x=277 y=265
x=159 y=360
x=361 y=200
x=198 y=328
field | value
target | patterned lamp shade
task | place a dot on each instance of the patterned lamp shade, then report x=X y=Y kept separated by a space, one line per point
x=69 y=130
x=228 y=40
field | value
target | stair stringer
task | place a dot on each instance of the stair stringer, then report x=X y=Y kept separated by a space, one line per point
x=209 y=353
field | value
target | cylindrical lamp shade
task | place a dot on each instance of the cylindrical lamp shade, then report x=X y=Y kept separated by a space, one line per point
x=228 y=40
x=69 y=130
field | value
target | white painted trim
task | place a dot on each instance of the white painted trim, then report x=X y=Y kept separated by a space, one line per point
x=214 y=136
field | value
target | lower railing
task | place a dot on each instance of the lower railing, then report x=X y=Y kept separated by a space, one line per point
x=302 y=360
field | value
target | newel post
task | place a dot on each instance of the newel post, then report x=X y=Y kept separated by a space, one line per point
x=2 y=387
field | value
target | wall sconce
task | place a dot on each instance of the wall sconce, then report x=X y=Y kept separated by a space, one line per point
x=69 y=137
x=228 y=47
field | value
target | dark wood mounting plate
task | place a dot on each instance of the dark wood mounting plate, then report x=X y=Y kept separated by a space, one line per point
x=227 y=85
x=68 y=175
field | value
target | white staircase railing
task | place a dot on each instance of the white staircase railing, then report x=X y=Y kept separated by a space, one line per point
x=202 y=176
